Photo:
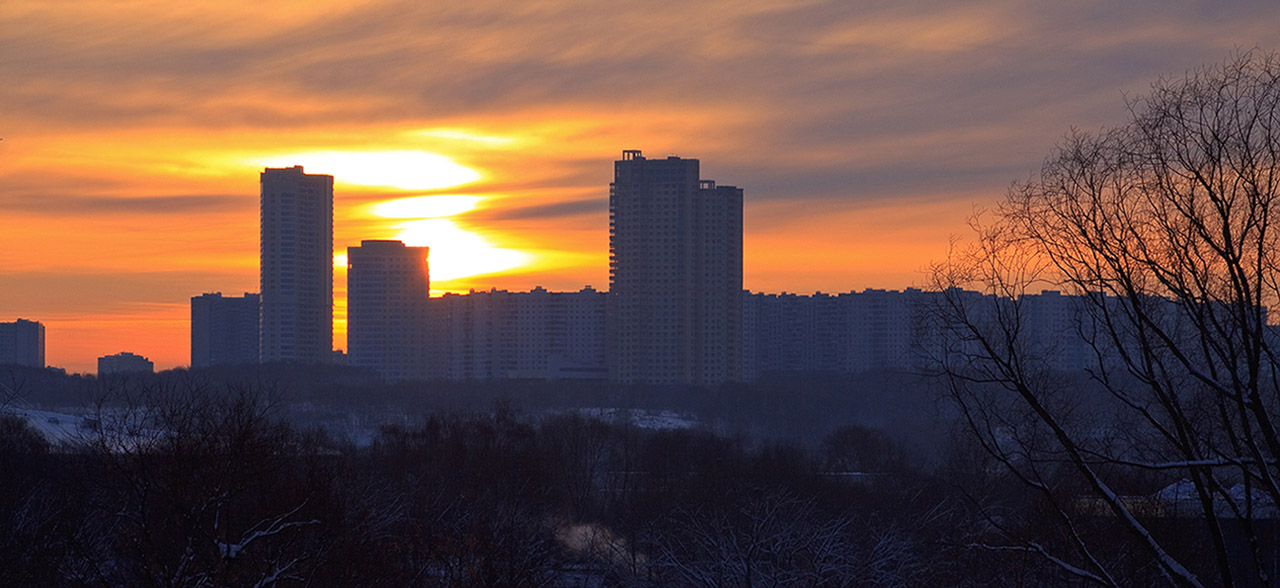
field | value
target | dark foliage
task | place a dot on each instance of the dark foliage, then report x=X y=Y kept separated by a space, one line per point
x=183 y=481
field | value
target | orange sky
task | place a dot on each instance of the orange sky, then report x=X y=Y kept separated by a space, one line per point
x=864 y=134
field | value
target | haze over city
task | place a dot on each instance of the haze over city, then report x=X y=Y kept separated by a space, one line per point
x=869 y=132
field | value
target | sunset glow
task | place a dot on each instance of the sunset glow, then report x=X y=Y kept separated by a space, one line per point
x=864 y=135
x=404 y=170
x=456 y=252
x=426 y=206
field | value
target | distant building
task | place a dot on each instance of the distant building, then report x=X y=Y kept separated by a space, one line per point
x=22 y=343
x=557 y=335
x=1055 y=323
x=883 y=327
x=388 y=286
x=123 y=363
x=471 y=330
x=852 y=332
x=675 y=274
x=794 y=333
x=896 y=330
x=499 y=335
x=296 y=266
x=224 y=329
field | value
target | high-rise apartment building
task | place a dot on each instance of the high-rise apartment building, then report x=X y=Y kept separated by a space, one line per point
x=224 y=329
x=296 y=266
x=388 y=285
x=22 y=343
x=675 y=274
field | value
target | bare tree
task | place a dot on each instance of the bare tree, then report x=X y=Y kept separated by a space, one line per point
x=776 y=537
x=195 y=486
x=1161 y=228
x=15 y=384
x=583 y=446
x=773 y=539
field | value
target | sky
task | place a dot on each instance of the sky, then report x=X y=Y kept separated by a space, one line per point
x=865 y=134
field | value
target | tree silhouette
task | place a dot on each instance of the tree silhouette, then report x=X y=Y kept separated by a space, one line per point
x=1161 y=228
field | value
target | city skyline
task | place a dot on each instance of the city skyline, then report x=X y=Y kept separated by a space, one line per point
x=133 y=135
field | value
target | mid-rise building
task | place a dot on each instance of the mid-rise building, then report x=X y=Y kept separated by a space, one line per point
x=852 y=332
x=675 y=274
x=471 y=332
x=883 y=327
x=224 y=329
x=557 y=335
x=124 y=363
x=296 y=266
x=388 y=286
x=498 y=335
x=1059 y=330
x=22 y=343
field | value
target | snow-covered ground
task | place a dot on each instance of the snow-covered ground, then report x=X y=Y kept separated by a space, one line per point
x=62 y=428
x=644 y=419
x=58 y=428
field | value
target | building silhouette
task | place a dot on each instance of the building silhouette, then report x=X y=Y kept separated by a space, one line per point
x=497 y=335
x=503 y=335
x=224 y=329
x=899 y=331
x=388 y=286
x=851 y=332
x=296 y=266
x=124 y=363
x=22 y=343
x=675 y=274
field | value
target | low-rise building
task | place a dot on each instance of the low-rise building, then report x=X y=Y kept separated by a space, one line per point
x=123 y=363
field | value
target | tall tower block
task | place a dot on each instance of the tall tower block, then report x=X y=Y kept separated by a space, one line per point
x=296 y=266
x=675 y=274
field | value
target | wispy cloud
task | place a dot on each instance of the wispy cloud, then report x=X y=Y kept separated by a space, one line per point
x=558 y=210
x=65 y=205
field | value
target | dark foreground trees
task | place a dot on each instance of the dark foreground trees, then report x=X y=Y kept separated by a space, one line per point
x=202 y=485
x=1163 y=229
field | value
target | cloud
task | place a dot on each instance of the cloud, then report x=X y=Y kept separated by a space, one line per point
x=558 y=210
x=69 y=205
x=910 y=65
x=818 y=82
x=82 y=292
